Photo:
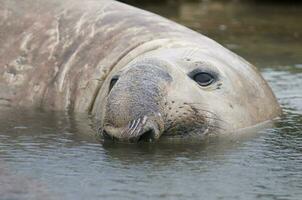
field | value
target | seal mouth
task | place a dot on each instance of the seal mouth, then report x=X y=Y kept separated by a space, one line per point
x=139 y=130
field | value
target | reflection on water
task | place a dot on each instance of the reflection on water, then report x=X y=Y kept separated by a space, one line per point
x=53 y=155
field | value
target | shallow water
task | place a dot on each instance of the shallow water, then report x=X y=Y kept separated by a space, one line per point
x=53 y=155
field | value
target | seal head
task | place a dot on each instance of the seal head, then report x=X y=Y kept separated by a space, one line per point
x=183 y=92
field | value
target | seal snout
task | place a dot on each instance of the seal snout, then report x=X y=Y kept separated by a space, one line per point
x=134 y=104
x=140 y=129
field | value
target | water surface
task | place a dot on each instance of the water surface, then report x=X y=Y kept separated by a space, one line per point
x=54 y=155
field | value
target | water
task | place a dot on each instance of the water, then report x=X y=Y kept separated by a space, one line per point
x=53 y=155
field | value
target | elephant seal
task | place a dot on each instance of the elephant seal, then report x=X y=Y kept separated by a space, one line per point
x=141 y=75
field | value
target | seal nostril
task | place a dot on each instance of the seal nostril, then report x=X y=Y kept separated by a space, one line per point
x=147 y=136
x=113 y=82
x=106 y=135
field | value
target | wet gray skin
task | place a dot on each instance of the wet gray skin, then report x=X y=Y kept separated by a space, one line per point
x=164 y=79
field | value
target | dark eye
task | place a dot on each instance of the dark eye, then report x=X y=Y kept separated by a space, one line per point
x=113 y=82
x=203 y=78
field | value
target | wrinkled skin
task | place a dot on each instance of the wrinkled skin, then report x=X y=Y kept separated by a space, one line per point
x=130 y=68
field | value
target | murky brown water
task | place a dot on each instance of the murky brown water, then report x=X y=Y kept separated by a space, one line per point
x=53 y=155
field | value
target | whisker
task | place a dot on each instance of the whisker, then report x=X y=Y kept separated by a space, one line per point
x=108 y=124
x=216 y=127
x=207 y=111
x=127 y=128
x=215 y=118
x=132 y=124
x=136 y=124
x=142 y=124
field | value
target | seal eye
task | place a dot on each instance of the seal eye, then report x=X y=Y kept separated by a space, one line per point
x=203 y=79
x=113 y=82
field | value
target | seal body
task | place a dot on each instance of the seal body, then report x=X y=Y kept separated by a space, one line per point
x=58 y=53
x=135 y=71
